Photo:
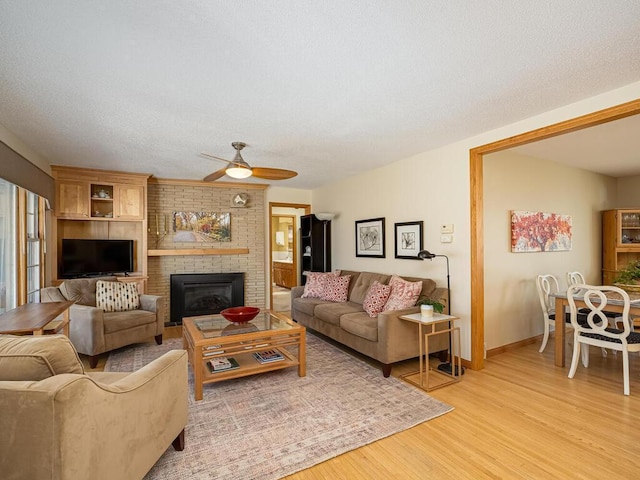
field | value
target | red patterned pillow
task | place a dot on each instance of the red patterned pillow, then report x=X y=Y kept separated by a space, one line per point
x=403 y=294
x=314 y=287
x=376 y=298
x=336 y=289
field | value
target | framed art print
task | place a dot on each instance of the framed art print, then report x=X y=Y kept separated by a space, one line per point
x=540 y=232
x=370 y=238
x=408 y=240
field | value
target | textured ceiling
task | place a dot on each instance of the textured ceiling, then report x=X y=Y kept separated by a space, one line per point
x=327 y=88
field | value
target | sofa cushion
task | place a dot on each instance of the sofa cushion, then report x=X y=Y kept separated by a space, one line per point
x=403 y=294
x=331 y=312
x=82 y=290
x=376 y=298
x=315 y=284
x=362 y=284
x=361 y=325
x=306 y=305
x=34 y=358
x=117 y=296
x=336 y=288
x=116 y=321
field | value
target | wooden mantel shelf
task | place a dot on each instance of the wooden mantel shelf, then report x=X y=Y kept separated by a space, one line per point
x=197 y=251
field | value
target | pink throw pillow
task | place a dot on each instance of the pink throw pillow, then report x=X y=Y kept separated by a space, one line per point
x=314 y=287
x=403 y=294
x=336 y=289
x=376 y=298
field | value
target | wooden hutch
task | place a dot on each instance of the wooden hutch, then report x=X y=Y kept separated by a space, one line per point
x=620 y=241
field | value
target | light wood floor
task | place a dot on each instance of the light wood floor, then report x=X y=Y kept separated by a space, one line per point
x=520 y=417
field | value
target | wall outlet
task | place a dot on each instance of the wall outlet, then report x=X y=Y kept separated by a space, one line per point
x=446 y=238
x=448 y=228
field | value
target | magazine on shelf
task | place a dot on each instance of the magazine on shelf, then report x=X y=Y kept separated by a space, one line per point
x=267 y=356
x=222 y=364
x=211 y=350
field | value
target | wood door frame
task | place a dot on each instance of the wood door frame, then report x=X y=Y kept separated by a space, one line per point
x=476 y=157
x=272 y=205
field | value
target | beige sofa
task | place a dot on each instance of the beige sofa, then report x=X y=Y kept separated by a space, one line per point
x=60 y=423
x=93 y=331
x=385 y=338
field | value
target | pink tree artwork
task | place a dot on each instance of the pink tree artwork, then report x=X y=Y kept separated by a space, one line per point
x=540 y=232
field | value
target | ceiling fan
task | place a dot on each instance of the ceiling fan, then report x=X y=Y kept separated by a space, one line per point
x=238 y=168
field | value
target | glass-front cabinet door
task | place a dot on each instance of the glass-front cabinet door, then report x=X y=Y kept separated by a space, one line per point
x=630 y=226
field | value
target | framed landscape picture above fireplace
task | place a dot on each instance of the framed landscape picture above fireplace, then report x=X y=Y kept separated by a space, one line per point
x=201 y=227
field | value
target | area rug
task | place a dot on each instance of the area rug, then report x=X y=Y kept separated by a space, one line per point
x=271 y=425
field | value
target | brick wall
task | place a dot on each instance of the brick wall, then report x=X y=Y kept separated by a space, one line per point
x=247 y=231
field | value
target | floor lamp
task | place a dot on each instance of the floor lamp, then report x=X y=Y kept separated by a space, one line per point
x=445 y=366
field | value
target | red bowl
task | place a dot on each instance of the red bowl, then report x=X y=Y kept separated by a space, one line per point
x=240 y=314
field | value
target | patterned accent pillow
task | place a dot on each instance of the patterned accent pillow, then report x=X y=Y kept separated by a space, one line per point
x=336 y=289
x=403 y=294
x=314 y=287
x=116 y=296
x=376 y=298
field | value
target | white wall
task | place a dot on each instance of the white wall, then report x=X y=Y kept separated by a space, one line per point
x=518 y=182
x=628 y=192
x=403 y=191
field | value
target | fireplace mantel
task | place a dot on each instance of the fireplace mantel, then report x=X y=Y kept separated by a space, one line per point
x=197 y=251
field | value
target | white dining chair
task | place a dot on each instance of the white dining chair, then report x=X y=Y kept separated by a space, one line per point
x=576 y=278
x=596 y=331
x=547 y=285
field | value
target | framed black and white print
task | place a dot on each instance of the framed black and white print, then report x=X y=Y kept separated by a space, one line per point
x=370 y=238
x=408 y=238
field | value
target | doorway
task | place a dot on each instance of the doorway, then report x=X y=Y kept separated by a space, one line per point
x=284 y=250
x=476 y=157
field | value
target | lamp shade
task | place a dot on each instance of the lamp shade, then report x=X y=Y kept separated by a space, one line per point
x=324 y=216
x=426 y=254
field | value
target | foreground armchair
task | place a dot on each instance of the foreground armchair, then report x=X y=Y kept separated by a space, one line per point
x=60 y=423
x=93 y=330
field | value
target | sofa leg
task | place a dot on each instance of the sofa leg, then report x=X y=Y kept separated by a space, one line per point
x=93 y=361
x=158 y=339
x=178 y=442
x=386 y=369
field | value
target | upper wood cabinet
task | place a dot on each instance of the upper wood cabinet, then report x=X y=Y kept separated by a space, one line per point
x=72 y=199
x=128 y=202
x=99 y=195
x=620 y=241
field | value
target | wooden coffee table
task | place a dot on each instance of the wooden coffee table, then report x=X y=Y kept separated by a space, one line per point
x=211 y=336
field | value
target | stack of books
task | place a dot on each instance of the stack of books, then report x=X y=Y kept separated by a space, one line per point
x=268 y=356
x=222 y=364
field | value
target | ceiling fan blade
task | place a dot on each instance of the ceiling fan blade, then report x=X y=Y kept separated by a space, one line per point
x=215 y=175
x=215 y=158
x=273 y=173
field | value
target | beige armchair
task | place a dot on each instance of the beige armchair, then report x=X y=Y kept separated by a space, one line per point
x=60 y=423
x=94 y=331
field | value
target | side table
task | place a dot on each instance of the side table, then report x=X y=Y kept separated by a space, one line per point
x=34 y=317
x=429 y=326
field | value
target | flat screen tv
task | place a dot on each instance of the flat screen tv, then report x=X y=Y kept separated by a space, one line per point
x=90 y=258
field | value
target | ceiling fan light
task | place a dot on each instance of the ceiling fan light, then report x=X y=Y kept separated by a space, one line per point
x=236 y=171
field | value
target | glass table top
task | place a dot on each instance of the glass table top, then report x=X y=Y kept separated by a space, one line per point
x=212 y=326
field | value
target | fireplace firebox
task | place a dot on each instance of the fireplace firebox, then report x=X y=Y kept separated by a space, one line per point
x=195 y=294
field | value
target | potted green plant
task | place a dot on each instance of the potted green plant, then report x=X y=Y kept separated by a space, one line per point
x=629 y=277
x=435 y=304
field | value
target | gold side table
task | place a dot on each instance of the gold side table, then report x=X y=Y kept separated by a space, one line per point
x=426 y=329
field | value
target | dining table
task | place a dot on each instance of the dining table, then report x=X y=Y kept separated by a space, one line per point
x=614 y=304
